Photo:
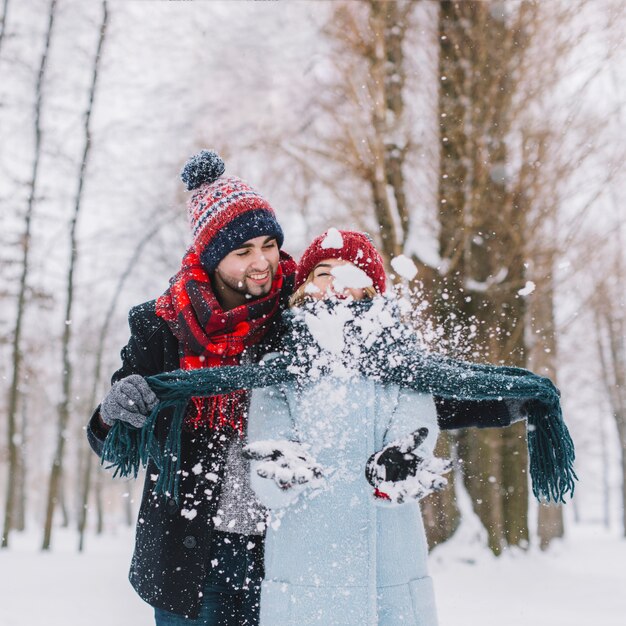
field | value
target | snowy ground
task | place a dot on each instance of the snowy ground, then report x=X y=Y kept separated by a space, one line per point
x=579 y=582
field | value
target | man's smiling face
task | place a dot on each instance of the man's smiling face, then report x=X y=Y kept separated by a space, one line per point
x=247 y=272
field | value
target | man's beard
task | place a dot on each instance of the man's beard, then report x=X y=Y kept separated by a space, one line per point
x=246 y=287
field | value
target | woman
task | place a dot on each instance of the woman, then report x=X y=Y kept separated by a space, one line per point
x=340 y=458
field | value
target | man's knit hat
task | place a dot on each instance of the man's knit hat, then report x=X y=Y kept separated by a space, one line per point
x=348 y=245
x=224 y=212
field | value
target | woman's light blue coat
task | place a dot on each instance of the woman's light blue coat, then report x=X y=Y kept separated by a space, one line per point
x=336 y=555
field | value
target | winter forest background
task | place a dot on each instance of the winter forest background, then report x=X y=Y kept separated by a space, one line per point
x=482 y=139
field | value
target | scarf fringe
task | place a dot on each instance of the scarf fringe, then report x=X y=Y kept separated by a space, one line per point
x=127 y=449
x=551 y=454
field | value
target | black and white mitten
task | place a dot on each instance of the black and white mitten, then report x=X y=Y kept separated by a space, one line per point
x=287 y=463
x=399 y=473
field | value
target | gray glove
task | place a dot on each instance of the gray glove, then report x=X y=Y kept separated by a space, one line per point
x=129 y=400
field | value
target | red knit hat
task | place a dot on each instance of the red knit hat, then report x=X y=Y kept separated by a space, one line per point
x=348 y=245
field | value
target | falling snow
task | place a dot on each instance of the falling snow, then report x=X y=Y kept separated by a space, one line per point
x=404 y=267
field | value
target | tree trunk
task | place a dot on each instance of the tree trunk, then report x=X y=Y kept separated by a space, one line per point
x=543 y=353
x=128 y=506
x=3 y=21
x=87 y=462
x=610 y=315
x=99 y=505
x=14 y=391
x=620 y=419
x=20 y=503
x=482 y=225
x=611 y=329
x=64 y=406
x=440 y=512
x=621 y=428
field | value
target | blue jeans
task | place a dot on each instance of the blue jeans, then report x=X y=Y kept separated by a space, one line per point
x=232 y=589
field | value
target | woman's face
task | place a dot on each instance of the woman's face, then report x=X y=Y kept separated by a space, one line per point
x=325 y=285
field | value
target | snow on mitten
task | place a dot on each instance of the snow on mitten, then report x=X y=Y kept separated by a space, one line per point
x=397 y=460
x=398 y=472
x=287 y=463
x=426 y=480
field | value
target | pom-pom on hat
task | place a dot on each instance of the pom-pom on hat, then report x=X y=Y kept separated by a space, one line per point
x=348 y=245
x=224 y=212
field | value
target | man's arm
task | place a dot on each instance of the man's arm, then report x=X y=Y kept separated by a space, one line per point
x=145 y=354
x=452 y=414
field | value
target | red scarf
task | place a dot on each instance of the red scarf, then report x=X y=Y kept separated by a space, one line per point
x=208 y=336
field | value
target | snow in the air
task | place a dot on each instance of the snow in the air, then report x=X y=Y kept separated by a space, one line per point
x=327 y=327
x=350 y=276
x=404 y=267
x=528 y=288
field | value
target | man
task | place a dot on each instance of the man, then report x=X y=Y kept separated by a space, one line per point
x=199 y=559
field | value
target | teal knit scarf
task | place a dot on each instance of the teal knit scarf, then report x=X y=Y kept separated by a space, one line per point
x=364 y=339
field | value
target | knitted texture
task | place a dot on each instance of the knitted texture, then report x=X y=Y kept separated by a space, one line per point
x=352 y=246
x=224 y=211
x=392 y=356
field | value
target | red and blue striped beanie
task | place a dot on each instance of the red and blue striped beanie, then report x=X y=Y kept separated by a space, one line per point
x=224 y=212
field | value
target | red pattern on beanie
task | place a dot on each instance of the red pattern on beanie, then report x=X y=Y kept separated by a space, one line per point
x=213 y=205
x=357 y=248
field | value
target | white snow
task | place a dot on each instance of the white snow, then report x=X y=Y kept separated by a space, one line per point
x=528 y=288
x=327 y=327
x=350 y=276
x=404 y=267
x=311 y=288
x=482 y=287
x=333 y=239
x=579 y=581
x=189 y=513
x=294 y=466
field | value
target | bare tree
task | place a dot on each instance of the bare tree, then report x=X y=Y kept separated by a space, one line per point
x=481 y=219
x=3 y=21
x=543 y=357
x=482 y=236
x=554 y=152
x=14 y=391
x=87 y=455
x=609 y=307
x=56 y=471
